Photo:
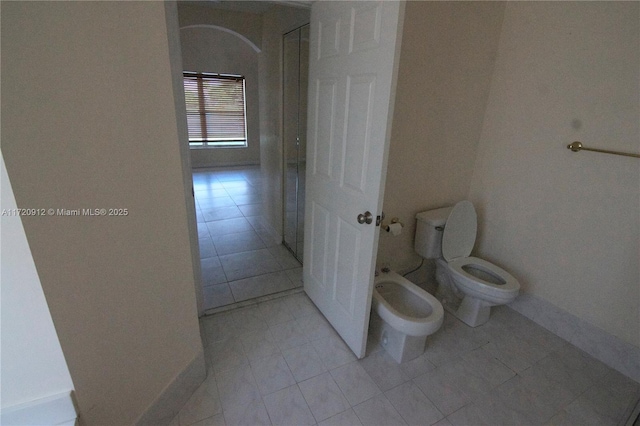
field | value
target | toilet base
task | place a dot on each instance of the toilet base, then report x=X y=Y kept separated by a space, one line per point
x=473 y=312
x=470 y=310
x=400 y=346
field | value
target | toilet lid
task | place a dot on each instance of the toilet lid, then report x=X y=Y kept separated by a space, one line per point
x=459 y=234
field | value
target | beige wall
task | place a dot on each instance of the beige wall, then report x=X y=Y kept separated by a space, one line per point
x=276 y=22
x=199 y=13
x=565 y=224
x=89 y=121
x=208 y=48
x=447 y=57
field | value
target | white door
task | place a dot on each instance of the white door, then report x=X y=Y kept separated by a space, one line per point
x=353 y=64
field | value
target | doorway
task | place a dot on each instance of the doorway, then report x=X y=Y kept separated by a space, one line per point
x=295 y=80
x=238 y=191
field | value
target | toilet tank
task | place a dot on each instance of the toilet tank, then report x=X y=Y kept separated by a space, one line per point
x=428 y=241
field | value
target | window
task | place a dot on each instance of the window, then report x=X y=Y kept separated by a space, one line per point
x=216 y=114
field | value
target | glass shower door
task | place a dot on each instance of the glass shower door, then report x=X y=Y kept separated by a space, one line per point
x=295 y=82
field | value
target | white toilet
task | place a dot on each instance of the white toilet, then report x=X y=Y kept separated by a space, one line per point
x=403 y=315
x=467 y=286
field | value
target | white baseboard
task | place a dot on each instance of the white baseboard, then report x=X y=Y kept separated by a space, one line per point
x=603 y=346
x=176 y=394
x=53 y=410
x=633 y=416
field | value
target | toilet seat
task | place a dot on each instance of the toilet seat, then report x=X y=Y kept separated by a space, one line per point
x=465 y=271
x=474 y=276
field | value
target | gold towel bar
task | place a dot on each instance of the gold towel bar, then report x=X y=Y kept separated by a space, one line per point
x=577 y=146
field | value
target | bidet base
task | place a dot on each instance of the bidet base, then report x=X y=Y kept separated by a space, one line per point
x=400 y=346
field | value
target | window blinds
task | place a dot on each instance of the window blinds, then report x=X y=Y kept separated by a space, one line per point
x=215 y=109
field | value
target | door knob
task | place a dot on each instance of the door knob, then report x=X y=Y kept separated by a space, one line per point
x=365 y=217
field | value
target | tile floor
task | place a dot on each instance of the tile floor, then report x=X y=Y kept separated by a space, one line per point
x=240 y=259
x=279 y=362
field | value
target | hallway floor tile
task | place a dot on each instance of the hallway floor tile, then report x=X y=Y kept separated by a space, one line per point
x=240 y=259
